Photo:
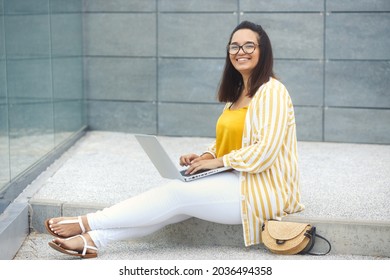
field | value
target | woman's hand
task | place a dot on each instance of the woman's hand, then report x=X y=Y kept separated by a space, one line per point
x=187 y=159
x=201 y=164
x=196 y=163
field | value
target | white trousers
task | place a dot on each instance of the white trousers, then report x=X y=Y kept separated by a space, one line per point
x=215 y=198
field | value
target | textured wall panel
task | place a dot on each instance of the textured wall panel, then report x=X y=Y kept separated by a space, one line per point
x=66 y=38
x=4 y=140
x=25 y=6
x=2 y=44
x=194 y=35
x=29 y=80
x=358 y=5
x=189 y=80
x=279 y=6
x=68 y=6
x=188 y=119
x=27 y=36
x=3 y=80
x=309 y=123
x=121 y=78
x=358 y=36
x=303 y=79
x=357 y=125
x=197 y=5
x=120 y=5
x=67 y=78
x=124 y=34
x=131 y=117
x=31 y=134
x=68 y=117
x=358 y=84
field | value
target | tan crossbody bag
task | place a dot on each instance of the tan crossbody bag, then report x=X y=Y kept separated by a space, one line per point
x=290 y=238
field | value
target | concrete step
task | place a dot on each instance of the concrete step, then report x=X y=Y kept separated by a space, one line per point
x=368 y=238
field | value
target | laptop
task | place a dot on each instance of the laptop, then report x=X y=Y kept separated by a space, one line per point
x=164 y=163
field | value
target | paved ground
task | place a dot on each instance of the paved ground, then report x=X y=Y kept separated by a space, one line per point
x=36 y=248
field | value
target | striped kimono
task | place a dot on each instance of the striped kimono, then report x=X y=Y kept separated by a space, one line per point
x=267 y=160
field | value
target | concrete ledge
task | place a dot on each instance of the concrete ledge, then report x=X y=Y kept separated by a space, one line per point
x=366 y=238
x=14 y=228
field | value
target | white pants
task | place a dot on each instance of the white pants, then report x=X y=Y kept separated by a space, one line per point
x=214 y=198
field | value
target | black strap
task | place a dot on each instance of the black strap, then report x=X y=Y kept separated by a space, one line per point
x=322 y=254
x=312 y=235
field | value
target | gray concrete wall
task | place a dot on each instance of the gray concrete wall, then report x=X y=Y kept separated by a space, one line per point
x=154 y=66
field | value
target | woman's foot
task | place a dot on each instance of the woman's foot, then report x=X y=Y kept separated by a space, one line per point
x=79 y=245
x=67 y=226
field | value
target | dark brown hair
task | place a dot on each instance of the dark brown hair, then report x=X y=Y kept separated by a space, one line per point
x=232 y=83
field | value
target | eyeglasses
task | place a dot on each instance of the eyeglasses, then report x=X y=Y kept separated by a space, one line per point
x=247 y=48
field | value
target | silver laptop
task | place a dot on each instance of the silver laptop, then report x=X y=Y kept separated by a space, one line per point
x=164 y=163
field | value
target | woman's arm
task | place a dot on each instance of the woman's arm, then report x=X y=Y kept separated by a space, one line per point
x=269 y=119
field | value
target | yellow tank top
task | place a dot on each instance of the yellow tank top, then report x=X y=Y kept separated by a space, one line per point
x=230 y=126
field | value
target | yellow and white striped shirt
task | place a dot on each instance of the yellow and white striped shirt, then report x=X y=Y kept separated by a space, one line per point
x=267 y=160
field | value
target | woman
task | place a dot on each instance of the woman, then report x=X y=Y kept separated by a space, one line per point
x=255 y=135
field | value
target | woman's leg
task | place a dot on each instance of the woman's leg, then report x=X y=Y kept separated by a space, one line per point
x=210 y=198
x=214 y=198
x=102 y=237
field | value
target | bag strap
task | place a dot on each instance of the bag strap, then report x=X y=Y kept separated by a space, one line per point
x=321 y=254
x=312 y=235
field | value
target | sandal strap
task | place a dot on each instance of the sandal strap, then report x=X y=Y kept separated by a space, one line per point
x=79 y=221
x=81 y=224
x=86 y=246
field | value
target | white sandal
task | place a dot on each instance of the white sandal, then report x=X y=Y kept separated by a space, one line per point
x=75 y=253
x=64 y=222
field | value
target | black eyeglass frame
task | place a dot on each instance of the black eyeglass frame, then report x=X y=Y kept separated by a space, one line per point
x=241 y=47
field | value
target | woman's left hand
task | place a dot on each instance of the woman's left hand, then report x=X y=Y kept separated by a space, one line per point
x=203 y=164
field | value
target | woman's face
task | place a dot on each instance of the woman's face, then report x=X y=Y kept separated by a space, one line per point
x=245 y=62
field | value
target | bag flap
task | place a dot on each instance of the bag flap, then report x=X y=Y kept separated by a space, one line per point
x=285 y=230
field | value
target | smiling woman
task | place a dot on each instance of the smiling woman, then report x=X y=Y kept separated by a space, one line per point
x=255 y=136
x=249 y=63
x=243 y=53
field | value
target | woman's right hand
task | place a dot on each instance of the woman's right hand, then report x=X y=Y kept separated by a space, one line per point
x=186 y=160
